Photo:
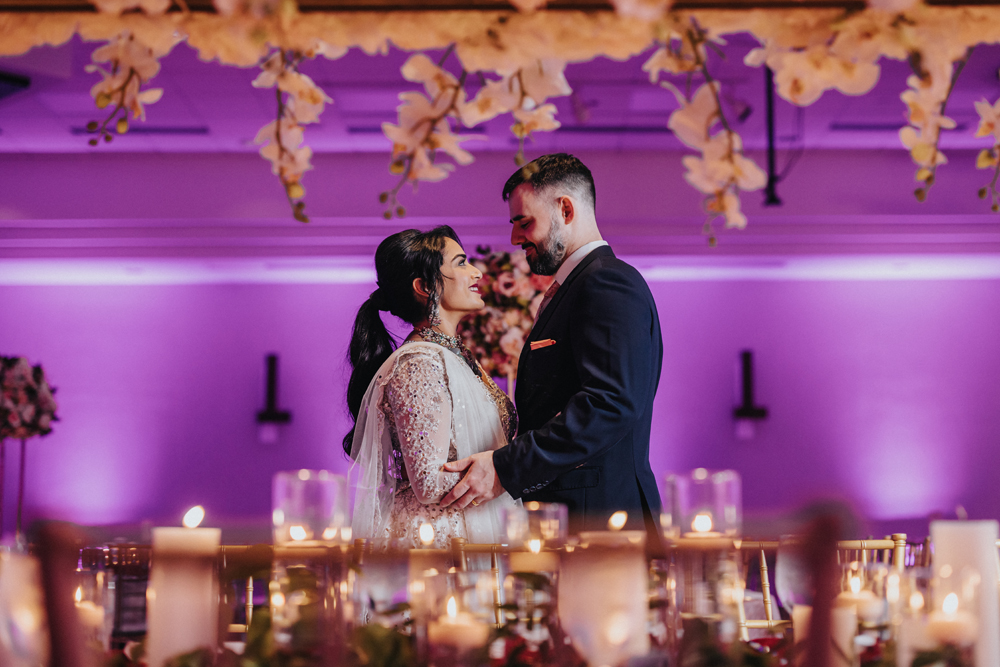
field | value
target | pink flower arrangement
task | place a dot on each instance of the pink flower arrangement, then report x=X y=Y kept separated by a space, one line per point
x=512 y=293
x=27 y=407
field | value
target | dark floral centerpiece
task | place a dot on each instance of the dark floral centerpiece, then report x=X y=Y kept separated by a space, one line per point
x=27 y=409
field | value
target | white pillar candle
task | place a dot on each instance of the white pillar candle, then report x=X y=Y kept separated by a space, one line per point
x=801 y=617
x=843 y=628
x=603 y=601
x=866 y=604
x=458 y=629
x=183 y=593
x=959 y=627
x=972 y=544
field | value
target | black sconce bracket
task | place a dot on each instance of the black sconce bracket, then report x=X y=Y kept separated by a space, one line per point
x=748 y=409
x=271 y=414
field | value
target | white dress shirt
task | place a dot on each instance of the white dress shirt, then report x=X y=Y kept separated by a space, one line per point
x=574 y=260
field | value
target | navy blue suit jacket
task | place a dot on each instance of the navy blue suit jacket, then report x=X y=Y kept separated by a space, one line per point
x=585 y=403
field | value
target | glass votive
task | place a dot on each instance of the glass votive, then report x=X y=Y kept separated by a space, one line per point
x=603 y=602
x=24 y=637
x=863 y=587
x=461 y=618
x=953 y=619
x=536 y=528
x=381 y=588
x=310 y=507
x=702 y=503
x=94 y=607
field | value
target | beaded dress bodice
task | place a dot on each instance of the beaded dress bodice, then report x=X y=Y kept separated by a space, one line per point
x=417 y=404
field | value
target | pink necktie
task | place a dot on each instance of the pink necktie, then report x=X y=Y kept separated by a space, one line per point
x=549 y=293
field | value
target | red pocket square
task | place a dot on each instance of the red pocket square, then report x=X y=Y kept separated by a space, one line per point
x=542 y=343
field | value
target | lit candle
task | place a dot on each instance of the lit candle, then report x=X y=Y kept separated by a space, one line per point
x=701 y=526
x=866 y=604
x=951 y=625
x=458 y=629
x=91 y=616
x=183 y=593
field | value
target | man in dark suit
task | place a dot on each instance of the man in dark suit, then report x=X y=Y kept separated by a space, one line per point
x=589 y=368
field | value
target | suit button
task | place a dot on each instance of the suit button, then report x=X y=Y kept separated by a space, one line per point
x=524 y=490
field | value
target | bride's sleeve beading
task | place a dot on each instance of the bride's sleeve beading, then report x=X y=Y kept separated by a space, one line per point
x=420 y=403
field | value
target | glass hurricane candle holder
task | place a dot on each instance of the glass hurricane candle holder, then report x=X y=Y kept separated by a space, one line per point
x=953 y=618
x=603 y=601
x=310 y=507
x=863 y=587
x=536 y=528
x=461 y=618
x=703 y=503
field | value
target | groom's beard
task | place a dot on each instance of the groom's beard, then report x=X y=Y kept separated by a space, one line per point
x=549 y=258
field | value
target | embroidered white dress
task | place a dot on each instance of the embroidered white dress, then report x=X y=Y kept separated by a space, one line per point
x=425 y=406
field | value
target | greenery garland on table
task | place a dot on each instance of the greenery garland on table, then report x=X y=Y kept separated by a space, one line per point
x=512 y=294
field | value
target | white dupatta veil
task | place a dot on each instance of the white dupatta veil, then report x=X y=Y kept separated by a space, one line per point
x=476 y=426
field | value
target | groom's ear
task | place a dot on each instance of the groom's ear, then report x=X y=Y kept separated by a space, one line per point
x=567 y=208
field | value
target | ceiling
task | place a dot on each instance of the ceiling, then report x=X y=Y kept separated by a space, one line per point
x=207 y=107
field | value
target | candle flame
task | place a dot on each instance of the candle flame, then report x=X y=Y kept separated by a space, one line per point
x=855 y=584
x=330 y=534
x=426 y=534
x=950 y=604
x=297 y=533
x=194 y=516
x=452 y=607
x=78 y=596
x=534 y=546
x=702 y=523
x=346 y=533
x=617 y=520
x=916 y=601
x=277 y=600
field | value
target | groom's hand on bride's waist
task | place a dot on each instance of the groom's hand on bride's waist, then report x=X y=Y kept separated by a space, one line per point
x=479 y=484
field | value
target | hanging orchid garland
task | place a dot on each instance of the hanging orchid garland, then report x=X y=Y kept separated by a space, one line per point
x=809 y=50
x=130 y=66
x=426 y=121
x=300 y=102
x=722 y=170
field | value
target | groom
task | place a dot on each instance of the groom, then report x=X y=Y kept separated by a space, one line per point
x=589 y=368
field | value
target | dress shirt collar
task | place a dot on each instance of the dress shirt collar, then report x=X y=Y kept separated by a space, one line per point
x=574 y=260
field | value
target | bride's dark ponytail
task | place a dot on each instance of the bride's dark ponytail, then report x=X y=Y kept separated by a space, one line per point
x=399 y=260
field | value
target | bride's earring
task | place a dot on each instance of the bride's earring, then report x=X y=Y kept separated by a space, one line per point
x=433 y=316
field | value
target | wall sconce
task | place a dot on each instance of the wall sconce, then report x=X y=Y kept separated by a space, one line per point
x=747 y=414
x=270 y=418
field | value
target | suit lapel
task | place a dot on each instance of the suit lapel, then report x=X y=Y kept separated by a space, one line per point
x=602 y=251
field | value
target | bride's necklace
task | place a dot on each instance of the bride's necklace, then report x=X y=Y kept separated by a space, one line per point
x=453 y=343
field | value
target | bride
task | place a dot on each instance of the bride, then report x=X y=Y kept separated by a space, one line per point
x=424 y=403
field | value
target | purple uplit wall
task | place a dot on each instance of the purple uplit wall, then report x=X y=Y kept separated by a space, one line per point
x=883 y=394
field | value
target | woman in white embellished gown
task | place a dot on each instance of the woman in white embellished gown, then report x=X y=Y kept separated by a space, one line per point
x=424 y=403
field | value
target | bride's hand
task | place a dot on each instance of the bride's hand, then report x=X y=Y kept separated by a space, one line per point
x=479 y=484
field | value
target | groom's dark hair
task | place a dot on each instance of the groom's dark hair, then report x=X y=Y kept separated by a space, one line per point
x=556 y=169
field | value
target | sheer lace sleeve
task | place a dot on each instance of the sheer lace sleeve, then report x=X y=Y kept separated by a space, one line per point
x=420 y=403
